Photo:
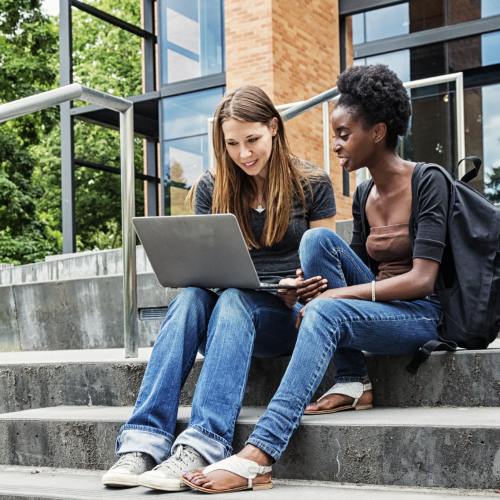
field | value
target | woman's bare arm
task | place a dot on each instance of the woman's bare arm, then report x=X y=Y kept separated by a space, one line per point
x=417 y=283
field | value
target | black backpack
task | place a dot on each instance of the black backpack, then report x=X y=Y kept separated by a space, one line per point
x=468 y=281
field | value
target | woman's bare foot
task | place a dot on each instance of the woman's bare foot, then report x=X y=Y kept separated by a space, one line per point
x=223 y=480
x=336 y=400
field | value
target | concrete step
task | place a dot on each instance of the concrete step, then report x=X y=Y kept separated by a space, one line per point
x=105 y=378
x=435 y=447
x=66 y=484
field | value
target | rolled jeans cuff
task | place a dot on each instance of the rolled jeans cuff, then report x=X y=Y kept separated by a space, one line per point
x=139 y=438
x=210 y=446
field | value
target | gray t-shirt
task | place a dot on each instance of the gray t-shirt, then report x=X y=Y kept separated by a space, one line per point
x=281 y=260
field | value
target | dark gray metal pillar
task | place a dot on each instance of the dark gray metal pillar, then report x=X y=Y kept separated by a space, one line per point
x=343 y=67
x=150 y=86
x=67 y=137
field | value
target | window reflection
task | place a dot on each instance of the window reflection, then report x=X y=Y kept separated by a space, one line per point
x=398 y=61
x=491 y=141
x=185 y=146
x=490 y=44
x=381 y=23
x=418 y=15
x=192 y=42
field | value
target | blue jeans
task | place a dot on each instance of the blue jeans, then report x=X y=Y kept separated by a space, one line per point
x=339 y=328
x=228 y=330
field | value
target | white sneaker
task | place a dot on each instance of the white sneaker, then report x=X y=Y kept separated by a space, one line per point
x=167 y=475
x=127 y=470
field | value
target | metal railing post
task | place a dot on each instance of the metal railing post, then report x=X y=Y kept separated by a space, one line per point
x=54 y=97
x=459 y=89
x=128 y=233
x=326 y=138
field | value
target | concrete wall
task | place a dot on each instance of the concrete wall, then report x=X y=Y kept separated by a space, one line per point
x=72 y=266
x=84 y=313
x=75 y=302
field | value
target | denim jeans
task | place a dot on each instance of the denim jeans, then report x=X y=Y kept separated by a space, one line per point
x=228 y=329
x=339 y=328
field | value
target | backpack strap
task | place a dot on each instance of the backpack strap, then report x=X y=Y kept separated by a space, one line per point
x=426 y=350
x=472 y=174
x=433 y=345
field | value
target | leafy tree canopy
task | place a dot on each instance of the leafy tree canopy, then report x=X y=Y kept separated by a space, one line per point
x=105 y=58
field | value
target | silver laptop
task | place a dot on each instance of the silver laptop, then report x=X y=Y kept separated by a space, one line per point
x=205 y=251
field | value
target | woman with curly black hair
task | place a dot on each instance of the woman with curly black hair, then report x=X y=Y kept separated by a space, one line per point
x=380 y=290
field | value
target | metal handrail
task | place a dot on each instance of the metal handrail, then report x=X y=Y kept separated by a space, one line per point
x=302 y=107
x=44 y=100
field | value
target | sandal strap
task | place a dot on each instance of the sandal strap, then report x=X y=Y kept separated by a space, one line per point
x=241 y=467
x=351 y=389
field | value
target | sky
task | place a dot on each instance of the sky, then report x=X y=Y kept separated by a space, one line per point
x=51 y=7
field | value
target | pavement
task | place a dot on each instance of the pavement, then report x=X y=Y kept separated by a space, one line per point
x=70 y=484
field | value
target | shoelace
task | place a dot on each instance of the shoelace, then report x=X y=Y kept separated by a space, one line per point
x=129 y=459
x=177 y=457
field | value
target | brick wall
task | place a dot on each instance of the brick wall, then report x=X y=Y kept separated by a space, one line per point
x=291 y=50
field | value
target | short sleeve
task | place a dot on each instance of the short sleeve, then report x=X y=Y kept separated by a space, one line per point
x=323 y=199
x=204 y=195
x=433 y=201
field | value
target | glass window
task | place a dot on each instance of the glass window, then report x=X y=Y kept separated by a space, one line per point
x=441 y=58
x=398 y=61
x=418 y=15
x=490 y=48
x=381 y=23
x=191 y=39
x=185 y=146
x=490 y=8
x=491 y=141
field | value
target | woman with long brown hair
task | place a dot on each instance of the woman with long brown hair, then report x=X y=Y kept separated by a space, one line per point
x=276 y=199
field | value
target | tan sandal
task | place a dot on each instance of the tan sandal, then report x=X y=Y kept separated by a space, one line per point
x=239 y=466
x=351 y=389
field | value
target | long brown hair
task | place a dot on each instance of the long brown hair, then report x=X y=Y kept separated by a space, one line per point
x=234 y=190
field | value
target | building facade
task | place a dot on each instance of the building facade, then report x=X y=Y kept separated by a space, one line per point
x=194 y=50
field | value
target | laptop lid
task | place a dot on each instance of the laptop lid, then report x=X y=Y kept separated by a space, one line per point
x=205 y=251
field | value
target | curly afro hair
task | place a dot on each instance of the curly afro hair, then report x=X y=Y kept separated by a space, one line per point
x=376 y=94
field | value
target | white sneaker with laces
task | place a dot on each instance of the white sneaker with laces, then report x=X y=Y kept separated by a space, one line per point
x=167 y=476
x=127 y=470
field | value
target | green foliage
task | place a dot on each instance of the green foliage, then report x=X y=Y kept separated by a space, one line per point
x=28 y=46
x=492 y=188
x=105 y=58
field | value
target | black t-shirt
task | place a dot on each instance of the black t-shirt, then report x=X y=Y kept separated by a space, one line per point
x=281 y=260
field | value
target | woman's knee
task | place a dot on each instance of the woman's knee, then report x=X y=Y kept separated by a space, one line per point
x=322 y=317
x=314 y=240
x=191 y=303
x=233 y=298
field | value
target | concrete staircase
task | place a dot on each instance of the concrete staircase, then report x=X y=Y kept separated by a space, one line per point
x=61 y=410
x=440 y=428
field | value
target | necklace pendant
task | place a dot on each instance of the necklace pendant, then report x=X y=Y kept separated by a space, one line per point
x=260 y=208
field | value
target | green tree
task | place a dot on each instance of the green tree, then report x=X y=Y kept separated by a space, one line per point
x=28 y=44
x=106 y=58
x=492 y=188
